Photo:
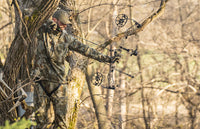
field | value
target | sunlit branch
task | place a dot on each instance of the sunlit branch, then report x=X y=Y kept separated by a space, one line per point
x=133 y=29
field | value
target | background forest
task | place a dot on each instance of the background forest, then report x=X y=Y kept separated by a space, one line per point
x=165 y=90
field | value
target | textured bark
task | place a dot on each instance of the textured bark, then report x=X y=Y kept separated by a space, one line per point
x=76 y=83
x=19 y=47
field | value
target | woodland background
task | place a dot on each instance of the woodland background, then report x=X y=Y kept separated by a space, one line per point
x=165 y=90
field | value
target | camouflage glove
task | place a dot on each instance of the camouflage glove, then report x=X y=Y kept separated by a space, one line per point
x=116 y=57
x=51 y=27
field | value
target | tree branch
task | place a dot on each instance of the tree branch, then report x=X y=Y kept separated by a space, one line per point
x=135 y=28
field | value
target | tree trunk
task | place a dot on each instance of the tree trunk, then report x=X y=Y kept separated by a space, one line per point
x=122 y=101
x=19 y=47
x=97 y=100
x=111 y=76
x=146 y=122
x=75 y=86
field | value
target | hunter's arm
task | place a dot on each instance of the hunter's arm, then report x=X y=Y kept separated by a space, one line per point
x=88 y=52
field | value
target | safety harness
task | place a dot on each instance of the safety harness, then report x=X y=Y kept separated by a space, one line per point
x=42 y=86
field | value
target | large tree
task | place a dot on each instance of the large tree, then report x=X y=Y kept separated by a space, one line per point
x=21 y=43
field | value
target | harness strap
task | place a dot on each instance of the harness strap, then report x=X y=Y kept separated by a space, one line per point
x=46 y=92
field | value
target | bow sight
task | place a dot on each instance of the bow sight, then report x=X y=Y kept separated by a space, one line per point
x=122 y=19
x=97 y=80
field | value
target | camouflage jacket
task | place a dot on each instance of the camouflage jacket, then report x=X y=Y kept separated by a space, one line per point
x=52 y=50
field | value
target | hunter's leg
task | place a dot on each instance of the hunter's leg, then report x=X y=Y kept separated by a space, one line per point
x=44 y=114
x=59 y=99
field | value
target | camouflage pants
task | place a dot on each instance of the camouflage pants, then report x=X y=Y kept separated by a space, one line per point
x=50 y=112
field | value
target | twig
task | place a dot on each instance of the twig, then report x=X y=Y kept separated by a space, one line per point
x=4 y=83
x=171 y=85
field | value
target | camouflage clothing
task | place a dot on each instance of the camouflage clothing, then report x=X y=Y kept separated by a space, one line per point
x=53 y=46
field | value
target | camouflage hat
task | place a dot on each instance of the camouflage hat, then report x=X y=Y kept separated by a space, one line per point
x=62 y=16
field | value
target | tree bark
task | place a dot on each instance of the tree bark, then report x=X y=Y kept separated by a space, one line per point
x=97 y=100
x=122 y=101
x=19 y=47
x=75 y=86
